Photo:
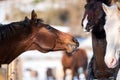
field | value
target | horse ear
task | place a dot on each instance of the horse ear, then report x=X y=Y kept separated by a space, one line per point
x=105 y=8
x=33 y=15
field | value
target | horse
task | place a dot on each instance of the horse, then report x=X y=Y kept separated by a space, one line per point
x=32 y=34
x=112 y=30
x=93 y=21
x=50 y=75
x=33 y=74
x=77 y=62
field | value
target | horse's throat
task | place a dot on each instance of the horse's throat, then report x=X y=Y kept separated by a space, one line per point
x=99 y=48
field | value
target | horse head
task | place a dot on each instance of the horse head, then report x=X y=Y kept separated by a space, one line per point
x=112 y=30
x=93 y=16
x=48 y=38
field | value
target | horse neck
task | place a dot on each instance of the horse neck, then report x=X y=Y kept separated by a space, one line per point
x=99 y=48
x=12 y=41
x=99 y=67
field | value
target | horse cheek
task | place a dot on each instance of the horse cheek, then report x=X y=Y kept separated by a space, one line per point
x=45 y=41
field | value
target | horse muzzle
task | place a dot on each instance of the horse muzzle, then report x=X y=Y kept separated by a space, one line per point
x=89 y=28
x=111 y=62
x=73 y=47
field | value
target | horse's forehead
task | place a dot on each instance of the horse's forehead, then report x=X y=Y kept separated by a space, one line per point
x=89 y=11
x=91 y=5
x=89 y=15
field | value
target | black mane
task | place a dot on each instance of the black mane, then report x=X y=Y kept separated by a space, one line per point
x=12 y=29
x=107 y=2
x=16 y=28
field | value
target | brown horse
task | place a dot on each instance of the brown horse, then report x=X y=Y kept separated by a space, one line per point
x=94 y=20
x=31 y=34
x=75 y=62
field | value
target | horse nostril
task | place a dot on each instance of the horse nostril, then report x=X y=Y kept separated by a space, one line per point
x=113 y=61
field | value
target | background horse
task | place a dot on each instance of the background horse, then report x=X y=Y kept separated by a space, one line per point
x=32 y=34
x=112 y=29
x=94 y=20
x=76 y=62
x=50 y=74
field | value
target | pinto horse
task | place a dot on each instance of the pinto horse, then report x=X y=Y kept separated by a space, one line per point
x=93 y=21
x=32 y=34
x=76 y=62
x=112 y=29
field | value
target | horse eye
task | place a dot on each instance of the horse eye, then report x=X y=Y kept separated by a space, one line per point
x=48 y=27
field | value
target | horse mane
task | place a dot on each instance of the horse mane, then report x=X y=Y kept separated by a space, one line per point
x=107 y=2
x=12 y=29
x=15 y=28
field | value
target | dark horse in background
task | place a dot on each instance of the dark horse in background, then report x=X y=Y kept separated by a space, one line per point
x=32 y=34
x=94 y=20
x=50 y=74
x=76 y=62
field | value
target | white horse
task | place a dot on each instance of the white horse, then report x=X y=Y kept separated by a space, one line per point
x=112 y=29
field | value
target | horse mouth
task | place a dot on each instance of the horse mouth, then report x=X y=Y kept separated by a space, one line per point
x=72 y=48
x=89 y=28
x=112 y=66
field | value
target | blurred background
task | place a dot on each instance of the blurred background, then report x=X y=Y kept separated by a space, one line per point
x=65 y=15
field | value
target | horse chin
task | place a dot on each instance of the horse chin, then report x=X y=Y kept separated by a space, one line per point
x=90 y=29
x=112 y=66
x=85 y=30
x=69 y=54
